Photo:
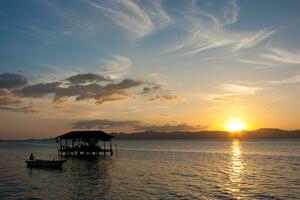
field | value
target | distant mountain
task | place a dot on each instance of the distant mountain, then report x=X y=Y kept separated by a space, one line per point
x=29 y=140
x=263 y=133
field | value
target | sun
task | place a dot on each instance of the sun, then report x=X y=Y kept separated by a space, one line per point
x=235 y=125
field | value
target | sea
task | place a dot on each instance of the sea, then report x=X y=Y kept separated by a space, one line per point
x=162 y=169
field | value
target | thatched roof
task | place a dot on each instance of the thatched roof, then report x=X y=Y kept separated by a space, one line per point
x=99 y=135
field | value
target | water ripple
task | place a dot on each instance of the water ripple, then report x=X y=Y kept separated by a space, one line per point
x=158 y=170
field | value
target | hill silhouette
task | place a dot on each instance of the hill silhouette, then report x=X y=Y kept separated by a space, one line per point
x=263 y=133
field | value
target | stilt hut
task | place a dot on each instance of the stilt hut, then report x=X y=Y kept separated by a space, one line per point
x=84 y=143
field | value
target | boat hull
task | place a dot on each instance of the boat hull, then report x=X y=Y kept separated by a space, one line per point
x=53 y=164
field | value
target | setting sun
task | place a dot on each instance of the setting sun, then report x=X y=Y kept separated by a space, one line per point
x=235 y=125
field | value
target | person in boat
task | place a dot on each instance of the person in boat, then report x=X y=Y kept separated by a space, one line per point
x=31 y=157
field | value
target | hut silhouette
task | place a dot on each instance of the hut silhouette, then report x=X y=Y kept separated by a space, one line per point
x=84 y=143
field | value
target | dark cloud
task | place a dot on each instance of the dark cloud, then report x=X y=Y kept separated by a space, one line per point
x=15 y=93
x=7 y=98
x=10 y=80
x=12 y=103
x=151 y=90
x=165 y=98
x=110 y=99
x=125 y=84
x=157 y=93
x=86 y=87
x=81 y=92
x=39 y=90
x=109 y=92
x=135 y=125
x=24 y=109
x=86 y=78
x=102 y=124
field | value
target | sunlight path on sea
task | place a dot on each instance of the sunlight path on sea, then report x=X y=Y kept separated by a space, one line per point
x=236 y=170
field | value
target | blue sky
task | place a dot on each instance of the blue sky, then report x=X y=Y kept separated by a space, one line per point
x=210 y=58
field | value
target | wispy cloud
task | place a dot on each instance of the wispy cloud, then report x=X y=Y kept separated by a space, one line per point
x=38 y=33
x=54 y=73
x=158 y=14
x=257 y=62
x=237 y=89
x=271 y=57
x=249 y=40
x=116 y=67
x=230 y=90
x=231 y=13
x=206 y=31
x=72 y=16
x=290 y=80
x=282 y=56
x=130 y=16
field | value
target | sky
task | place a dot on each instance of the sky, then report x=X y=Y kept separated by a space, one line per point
x=135 y=65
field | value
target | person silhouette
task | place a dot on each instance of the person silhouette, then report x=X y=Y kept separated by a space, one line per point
x=31 y=157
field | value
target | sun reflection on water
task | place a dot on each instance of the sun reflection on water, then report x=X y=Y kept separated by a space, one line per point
x=236 y=168
x=236 y=160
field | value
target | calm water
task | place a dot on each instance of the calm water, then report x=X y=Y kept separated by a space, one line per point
x=175 y=169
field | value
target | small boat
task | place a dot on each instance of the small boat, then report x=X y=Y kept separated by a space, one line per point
x=53 y=164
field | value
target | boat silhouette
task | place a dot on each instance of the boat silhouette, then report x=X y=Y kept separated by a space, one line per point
x=53 y=164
